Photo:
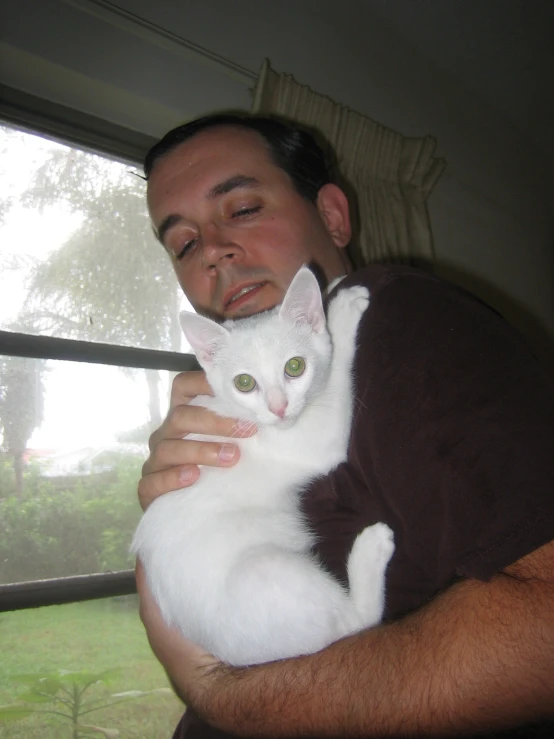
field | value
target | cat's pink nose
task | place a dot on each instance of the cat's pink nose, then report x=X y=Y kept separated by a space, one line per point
x=279 y=409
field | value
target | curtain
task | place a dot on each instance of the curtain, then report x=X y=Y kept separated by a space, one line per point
x=388 y=176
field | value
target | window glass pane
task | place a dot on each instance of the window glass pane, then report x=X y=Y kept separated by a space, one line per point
x=92 y=637
x=77 y=255
x=74 y=438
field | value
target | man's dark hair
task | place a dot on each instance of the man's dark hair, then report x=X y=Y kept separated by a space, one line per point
x=293 y=150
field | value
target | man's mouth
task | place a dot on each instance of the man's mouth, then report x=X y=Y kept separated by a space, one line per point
x=239 y=297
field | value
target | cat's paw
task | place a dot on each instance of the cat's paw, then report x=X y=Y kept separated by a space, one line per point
x=377 y=543
x=347 y=308
x=358 y=298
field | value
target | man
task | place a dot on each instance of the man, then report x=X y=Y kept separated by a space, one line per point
x=451 y=446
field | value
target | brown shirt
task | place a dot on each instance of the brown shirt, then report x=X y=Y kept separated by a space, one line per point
x=452 y=446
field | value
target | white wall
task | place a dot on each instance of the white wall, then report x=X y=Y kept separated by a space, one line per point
x=491 y=212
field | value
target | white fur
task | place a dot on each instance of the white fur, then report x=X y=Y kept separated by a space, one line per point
x=229 y=559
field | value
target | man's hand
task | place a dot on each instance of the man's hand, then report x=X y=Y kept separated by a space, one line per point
x=173 y=461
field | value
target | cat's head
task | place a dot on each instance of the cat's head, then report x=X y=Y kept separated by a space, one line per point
x=267 y=367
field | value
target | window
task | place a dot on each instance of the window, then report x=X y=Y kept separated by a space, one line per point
x=89 y=342
x=78 y=258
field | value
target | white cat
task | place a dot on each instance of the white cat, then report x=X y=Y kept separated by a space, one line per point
x=229 y=559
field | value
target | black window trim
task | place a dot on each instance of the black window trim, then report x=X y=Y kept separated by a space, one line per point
x=37 y=115
x=71 y=350
x=68 y=126
x=60 y=590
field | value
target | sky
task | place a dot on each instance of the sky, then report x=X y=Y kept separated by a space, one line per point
x=85 y=405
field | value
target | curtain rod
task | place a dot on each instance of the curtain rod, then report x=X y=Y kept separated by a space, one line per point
x=155 y=34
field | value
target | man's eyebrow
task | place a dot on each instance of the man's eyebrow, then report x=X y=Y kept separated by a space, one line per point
x=222 y=188
x=239 y=180
x=165 y=225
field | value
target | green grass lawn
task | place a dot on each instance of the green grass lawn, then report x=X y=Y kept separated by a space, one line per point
x=93 y=636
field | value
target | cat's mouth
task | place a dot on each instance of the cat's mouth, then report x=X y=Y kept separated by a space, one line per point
x=242 y=295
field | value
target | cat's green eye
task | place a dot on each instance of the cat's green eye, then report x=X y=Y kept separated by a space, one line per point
x=245 y=383
x=295 y=367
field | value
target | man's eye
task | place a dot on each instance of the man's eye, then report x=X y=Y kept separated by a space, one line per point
x=186 y=248
x=246 y=212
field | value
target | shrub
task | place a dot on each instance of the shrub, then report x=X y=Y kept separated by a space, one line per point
x=83 y=526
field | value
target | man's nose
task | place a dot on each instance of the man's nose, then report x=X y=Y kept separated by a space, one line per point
x=218 y=247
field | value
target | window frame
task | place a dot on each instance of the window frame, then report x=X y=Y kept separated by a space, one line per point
x=39 y=116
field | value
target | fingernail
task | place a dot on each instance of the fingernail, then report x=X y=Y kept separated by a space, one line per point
x=185 y=475
x=227 y=453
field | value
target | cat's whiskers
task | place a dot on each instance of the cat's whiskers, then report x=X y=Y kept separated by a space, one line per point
x=359 y=403
x=323 y=400
x=245 y=426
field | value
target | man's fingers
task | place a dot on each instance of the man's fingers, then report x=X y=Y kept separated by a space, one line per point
x=187 y=385
x=188 y=419
x=178 y=452
x=174 y=465
x=155 y=484
x=174 y=459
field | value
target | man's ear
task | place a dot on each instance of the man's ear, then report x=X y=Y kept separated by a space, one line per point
x=332 y=205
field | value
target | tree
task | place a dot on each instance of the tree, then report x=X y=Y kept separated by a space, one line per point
x=21 y=380
x=109 y=281
x=21 y=408
x=9 y=136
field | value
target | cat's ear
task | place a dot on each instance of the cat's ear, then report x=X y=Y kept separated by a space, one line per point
x=302 y=302
x=204 y=335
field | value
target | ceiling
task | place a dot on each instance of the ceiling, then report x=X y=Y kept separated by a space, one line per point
x=501 y=49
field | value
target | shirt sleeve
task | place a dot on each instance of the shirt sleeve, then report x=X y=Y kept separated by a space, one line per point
x=453 y=428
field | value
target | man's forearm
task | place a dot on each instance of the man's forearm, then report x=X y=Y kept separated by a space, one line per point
x=479 y=656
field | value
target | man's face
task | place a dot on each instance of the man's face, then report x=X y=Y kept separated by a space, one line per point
x=234 y=226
